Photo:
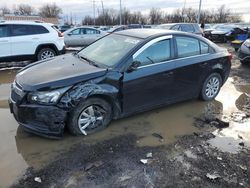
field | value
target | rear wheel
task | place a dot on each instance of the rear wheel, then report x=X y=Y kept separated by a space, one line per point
x=90 y=116
x=211 y=87
x=45 y=53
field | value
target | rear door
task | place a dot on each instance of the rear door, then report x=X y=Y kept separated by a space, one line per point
x=5 y=44
x=91 y=35
x=24 y=39
x=192 y=61
x=152 y=83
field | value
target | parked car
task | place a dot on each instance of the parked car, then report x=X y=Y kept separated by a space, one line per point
x=26 y=40
x=64 y=28
x=186 y=27
x=224 y=33
x=244 y=52
x=82 y=36
x=125 y=27
x=117 y=28
x=119 y=75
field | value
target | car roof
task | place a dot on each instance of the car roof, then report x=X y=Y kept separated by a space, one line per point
x=146 y=33
x=26 y=22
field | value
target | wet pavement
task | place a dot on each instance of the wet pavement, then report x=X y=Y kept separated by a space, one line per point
x=20 y=150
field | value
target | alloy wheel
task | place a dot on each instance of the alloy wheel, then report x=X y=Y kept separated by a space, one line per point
x=212 y=87
x=91 y=118
x=47 y=54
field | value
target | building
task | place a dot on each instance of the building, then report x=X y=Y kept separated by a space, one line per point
x=13 y=17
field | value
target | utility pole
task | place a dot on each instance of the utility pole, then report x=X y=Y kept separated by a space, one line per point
x=199 y=13
x=184 y=11
x=120 y=12
x=94 y=10
x=103 y=14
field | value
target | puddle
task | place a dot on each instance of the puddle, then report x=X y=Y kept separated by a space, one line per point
x=19 y=150
x=229 y=139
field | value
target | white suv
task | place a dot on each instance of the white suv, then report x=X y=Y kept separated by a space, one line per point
x=26 y=40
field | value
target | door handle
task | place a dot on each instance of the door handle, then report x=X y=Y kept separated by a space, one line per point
x=168 y=74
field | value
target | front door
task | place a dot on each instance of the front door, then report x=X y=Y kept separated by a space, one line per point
x=5 y=45
x=151 y=84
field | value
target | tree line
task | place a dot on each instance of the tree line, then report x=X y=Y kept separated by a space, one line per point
x=45 y=11
x=111 y=16
x=158 y=16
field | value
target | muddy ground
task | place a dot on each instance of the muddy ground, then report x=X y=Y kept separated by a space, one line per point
x=190 y=144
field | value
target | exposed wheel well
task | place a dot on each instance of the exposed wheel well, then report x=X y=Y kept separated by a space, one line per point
x=109 y=100
x=219 y=71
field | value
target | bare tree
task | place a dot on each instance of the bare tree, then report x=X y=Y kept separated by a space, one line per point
x=222 y=14
x=4 y=10
x=24 y=9
x=155 y=16
x=50 y=11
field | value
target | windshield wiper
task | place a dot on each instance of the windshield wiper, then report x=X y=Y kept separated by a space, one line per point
x=88 y=60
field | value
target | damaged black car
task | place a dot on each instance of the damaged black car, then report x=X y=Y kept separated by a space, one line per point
x=119 y=75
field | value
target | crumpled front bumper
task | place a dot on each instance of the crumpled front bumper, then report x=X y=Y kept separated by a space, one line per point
x=47 y=121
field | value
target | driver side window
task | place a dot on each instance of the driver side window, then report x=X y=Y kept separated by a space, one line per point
x=156 y=53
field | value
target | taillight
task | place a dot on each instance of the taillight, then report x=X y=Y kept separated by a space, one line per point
x=230 y=57
x=60 y=34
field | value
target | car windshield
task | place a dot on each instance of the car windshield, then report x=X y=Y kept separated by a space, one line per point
x=224 y=27
x=109 y=50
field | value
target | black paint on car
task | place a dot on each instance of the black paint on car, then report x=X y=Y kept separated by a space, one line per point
x=119 y=75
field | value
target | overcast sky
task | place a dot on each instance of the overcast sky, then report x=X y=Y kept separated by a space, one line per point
x=80 y=8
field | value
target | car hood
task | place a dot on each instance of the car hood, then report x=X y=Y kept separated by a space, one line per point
x=220 y=32
x=60 y=71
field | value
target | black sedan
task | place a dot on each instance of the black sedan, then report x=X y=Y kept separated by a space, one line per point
x=121 y=74
x=244 y=52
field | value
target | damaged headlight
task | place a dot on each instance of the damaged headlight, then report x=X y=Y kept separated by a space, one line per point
x=46 y=97
x=247 y=43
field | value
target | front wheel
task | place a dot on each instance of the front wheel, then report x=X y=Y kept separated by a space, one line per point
x=211 y=87
x=90 y=116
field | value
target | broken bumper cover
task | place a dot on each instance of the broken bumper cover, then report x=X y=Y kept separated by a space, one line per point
x=48 y=121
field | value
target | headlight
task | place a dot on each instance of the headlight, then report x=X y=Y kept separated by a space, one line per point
x=247 y=43
x=46 y=97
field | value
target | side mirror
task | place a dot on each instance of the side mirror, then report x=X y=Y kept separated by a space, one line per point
x=134 y=66
x=69 y=34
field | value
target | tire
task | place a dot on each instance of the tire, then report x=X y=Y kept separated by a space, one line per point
x=100 y=108
x=45 y=53
x=211 y=87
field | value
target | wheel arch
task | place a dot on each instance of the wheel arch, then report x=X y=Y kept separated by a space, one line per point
x=47 y=45
x=82 y=92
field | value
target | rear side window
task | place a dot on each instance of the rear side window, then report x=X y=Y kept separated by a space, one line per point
x=156 y=53
x=38 y=29
x=204 y=48
x=187 y=46
x=187 y=28
x=21 y=30
x=4 y=31
x=176 y=27
x=91 y=31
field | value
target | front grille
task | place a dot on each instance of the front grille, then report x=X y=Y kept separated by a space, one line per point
x=16 y=92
